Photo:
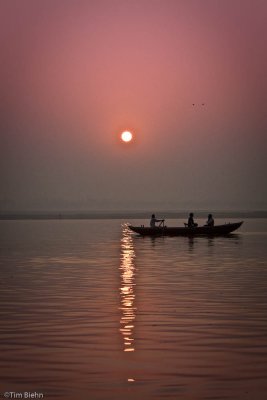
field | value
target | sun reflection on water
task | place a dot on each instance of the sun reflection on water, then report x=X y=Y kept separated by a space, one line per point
x=127 y=290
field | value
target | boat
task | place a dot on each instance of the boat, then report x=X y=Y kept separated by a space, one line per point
x=216 y=230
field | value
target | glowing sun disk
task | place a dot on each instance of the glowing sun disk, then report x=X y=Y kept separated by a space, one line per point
x=126 y=136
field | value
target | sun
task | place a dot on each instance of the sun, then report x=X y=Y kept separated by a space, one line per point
x=126 y=136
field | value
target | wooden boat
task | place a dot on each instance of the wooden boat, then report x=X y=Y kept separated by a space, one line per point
x=185 y=231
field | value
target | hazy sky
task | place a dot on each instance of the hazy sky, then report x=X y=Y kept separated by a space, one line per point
x=74 y=74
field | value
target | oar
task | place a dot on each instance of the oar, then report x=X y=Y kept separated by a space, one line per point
x=162 y=223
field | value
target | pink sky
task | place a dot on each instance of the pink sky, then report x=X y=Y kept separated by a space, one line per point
x=75 y=73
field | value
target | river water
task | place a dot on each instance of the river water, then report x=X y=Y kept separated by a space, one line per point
x=91 y=311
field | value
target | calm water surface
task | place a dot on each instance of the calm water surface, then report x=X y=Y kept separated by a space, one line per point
x=91 y=311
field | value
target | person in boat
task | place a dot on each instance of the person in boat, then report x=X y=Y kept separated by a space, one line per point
x=210 y=221
x=191 y=223
x=153 y=221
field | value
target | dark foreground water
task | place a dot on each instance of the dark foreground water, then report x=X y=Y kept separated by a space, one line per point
x=90 y=311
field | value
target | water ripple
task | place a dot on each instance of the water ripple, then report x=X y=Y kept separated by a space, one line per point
x=89 y=310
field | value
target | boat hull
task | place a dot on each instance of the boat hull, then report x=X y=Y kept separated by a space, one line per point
x=217 y=230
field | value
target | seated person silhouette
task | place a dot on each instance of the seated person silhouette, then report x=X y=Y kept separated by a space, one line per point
x=191 y=223
x=210 y=221
x=153 y=221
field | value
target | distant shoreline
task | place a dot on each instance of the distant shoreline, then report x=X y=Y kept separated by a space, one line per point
x=126 y=214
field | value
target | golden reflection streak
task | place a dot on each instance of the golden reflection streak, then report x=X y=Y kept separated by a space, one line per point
x=127 y=290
